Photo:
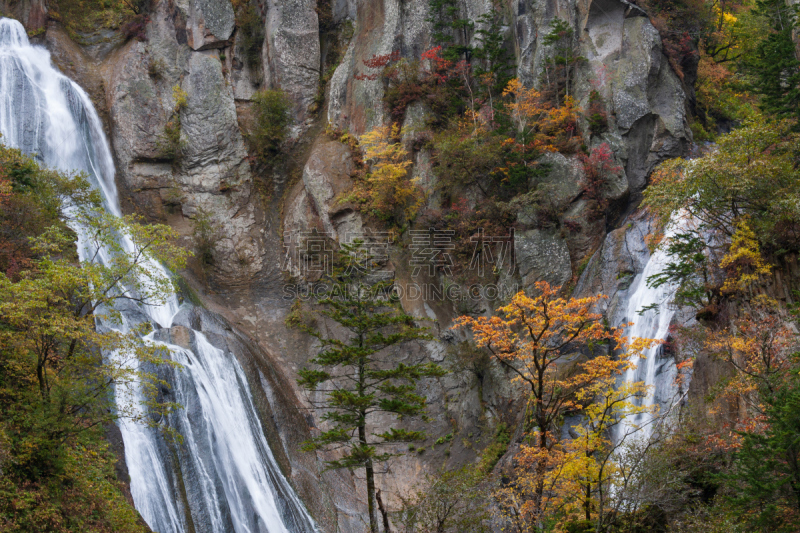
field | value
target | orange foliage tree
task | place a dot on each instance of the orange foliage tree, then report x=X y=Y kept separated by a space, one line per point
x=537 y=339
x=540 y=126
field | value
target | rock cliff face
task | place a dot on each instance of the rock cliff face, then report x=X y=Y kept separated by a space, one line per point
x=197 y=46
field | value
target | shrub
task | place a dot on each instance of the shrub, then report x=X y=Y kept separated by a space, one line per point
x=138 y=6
x=444 y=439
x=596 y=114
x=597 y=166
x=496 y=449
x=466 y=357
x=157 y=67
x=171 y=143
x=271 y=120
x=463 y=158
x=468 y=223
x=88 y=16
x=181 y=98
x=135 y=28
x=579 y=526
x=452 y=501
x=205 y=236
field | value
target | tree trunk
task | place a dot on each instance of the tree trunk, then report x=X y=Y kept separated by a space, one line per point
x=587 y=505
x=384 y=513
x=373 y=522
x=541 y=470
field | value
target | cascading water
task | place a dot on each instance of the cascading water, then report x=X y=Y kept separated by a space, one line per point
x=657 y=311
x=230 y=478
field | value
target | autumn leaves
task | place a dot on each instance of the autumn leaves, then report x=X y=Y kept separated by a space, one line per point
x=570 y=360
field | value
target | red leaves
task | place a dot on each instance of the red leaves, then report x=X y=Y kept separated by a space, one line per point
x=377 y=62
x=440 y=69
x=597 y=166
x=432 y=54
x=382 y=60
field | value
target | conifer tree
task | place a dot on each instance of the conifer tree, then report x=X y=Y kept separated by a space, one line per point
x=355 y=370
x=765 y=475
x=560 y=66
x=449 y=28
x=775 y=65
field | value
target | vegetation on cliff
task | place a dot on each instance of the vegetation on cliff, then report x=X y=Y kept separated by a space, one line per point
x=489 y=143
x=60 y=358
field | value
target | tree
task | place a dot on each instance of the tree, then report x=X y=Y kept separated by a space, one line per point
x=758 y=351
x=65 y=348
x=598 y=166
x=355 y=371
x=738 y=207
x=450 y=30
x=453 y=502
x=495 y=62
x=272 y=117
x=535 y=338
x=765 y=474
x=583 y=482
x=386 y=192
x=559 y=67
x=775 y=65
x=751 y=174
x=692 y=269
x=582 y=472
x=540 y=126
x=61 y=323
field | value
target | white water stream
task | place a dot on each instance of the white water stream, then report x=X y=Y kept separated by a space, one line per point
x=230 y=478
x=657 y=312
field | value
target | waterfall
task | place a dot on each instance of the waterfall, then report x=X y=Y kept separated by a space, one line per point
x=651 y=310
x=228 y=474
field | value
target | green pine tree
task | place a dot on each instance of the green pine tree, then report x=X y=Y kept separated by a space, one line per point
x=450 y=31
x=765 y=475
x=560 y=66
x=355 y=369
x=775 y=66
x=493 y=56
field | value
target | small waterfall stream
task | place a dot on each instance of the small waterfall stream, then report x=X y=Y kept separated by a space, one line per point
x=657 y=312
x=230 y=478
x=652 y=311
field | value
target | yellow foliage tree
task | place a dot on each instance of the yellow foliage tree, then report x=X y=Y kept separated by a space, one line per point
x=386 y=191
x=743 y=262
x=537 y=338
x=759 y=350
x=581 y=484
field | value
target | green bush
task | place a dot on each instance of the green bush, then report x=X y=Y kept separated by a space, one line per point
x=496 y=449
x=171 y=143
x=579 y=526
x=205 y=236
x=271 y=120
x=597 y=114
